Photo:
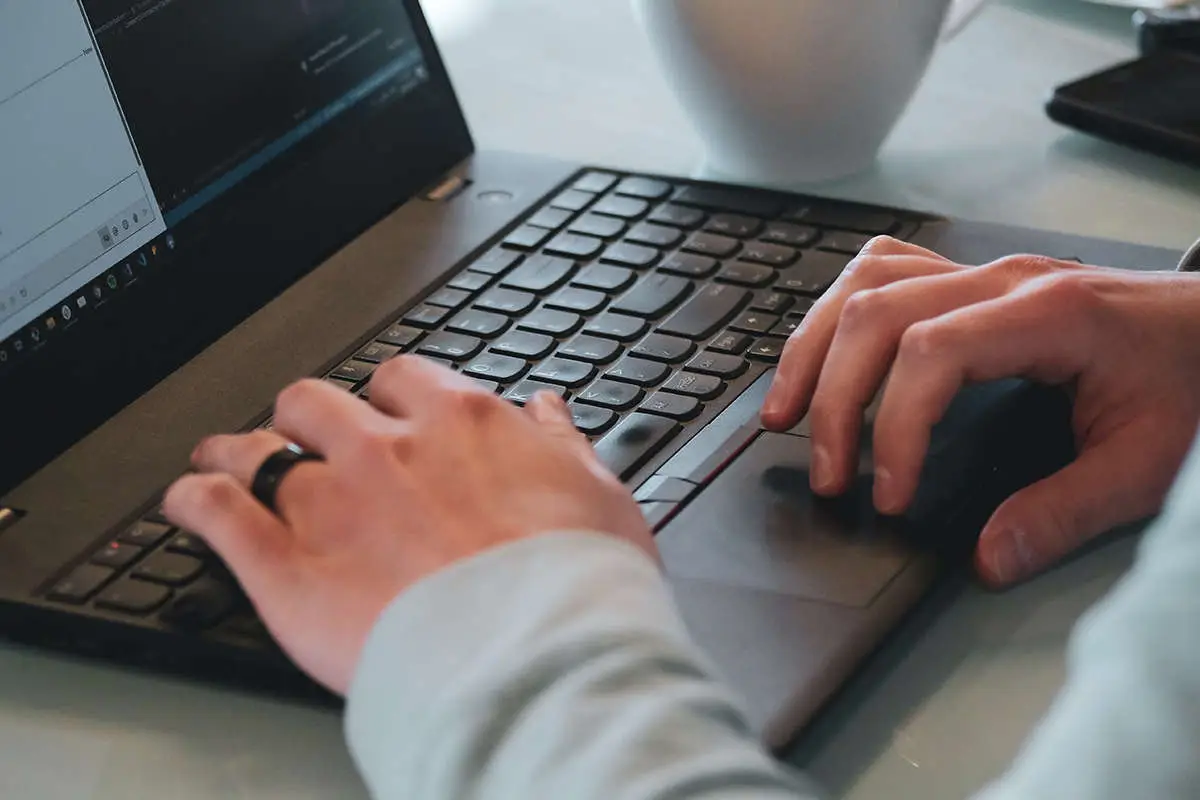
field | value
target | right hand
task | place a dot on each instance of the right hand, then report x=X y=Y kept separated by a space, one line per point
x=1127 y=344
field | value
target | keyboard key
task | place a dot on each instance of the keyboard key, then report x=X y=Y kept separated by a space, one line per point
x=677 y=216
x=659 y=236
x=596 y=225
x=202 y=606
x=735 y=201
x=117 y=555
x=539 y=274
x=145 y=534
x=527 y=237
x=573 y=200
x=338 y=383
x=506 y=301
x=668 y=349
x=791 y=235
x=595 y=182
x=638 y=371
x=621 y=327
x=400 y=336
x=844 y=242
x=574 y=245
x=562 y=372
x=525 y=391
x=746 y=274
x=754 y=322
x=450 y=346
x=721 y=365
x=735 y=225
x=426 y=316
x=622 y=207
x=592 y=420
x=81 y=584
x=377 y=352
x=449 y=298
x=171 y=569
x=133 y=597
x=647 y=188
x=470 y=281
x=488 y=386
x=547 y=320
x=773 y=255
x=730 y=342
x=814 y=274
x=605 y=278
x=786 y=327
x=617 y=396
x=550 y=218
x=637 y=439
x=689 y=265
x=705 y=387
x=582 y=301
x=157 y=514
x=190 y=544
x=674 y=406
x=521 y=344
x=654 y=296
x=848 y=218
x=497 y=262
x=767 y=349
x=712 y=244
x=660 y=489
x=706 y=312
x=354 y=371
x=632 y=255
x=483 y=324
x=590 y=349
x=773 y=302
x=497 y=368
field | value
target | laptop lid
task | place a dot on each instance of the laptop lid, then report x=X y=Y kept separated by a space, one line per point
x=169 y=166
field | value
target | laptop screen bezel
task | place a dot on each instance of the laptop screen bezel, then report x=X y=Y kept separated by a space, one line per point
x=257 y=241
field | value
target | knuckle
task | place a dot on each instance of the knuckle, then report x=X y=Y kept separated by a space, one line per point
x=474 y=404
x=884 y=245
x=862 y=308
x=209 y=493
x=923 y=341
x=1024 y=266
x=1067 y=292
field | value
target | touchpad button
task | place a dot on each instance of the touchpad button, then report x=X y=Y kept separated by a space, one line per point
x=759 y=526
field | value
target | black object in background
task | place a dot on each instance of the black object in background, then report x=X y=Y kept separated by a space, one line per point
x=1151 y=104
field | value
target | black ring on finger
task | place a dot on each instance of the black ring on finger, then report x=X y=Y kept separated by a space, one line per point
x=274 y=469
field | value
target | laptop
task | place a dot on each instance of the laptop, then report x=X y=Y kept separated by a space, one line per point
x=202 y=201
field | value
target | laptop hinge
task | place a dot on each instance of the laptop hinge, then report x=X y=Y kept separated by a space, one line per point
x=9 y=517
x=448 y=189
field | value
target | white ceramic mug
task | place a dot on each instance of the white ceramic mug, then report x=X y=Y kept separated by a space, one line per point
x=796 y=91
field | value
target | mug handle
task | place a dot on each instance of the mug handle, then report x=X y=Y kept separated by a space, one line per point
x=961 y=12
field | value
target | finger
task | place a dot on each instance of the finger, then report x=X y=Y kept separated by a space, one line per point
x=804 y=354
x=863 y=348
x=1043 y=335
x=322 y=418
x=1113 y=483
x=549 y=410
x=252 y=541
x=411 y=386
x=242 y=456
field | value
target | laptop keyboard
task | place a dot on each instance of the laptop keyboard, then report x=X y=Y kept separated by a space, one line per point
x=648 y=306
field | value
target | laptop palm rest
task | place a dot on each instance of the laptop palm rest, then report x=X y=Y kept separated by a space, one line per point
x=758 y=526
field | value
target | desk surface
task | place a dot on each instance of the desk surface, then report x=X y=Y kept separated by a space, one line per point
x=943 y=709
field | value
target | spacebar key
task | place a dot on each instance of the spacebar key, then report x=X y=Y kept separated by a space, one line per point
x=634 y=442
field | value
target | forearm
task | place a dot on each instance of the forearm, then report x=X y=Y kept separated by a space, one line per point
x=556 y=667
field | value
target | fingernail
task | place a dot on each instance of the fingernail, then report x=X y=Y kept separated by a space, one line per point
x=885 y=491
x=1012 y=556
x=822 y=470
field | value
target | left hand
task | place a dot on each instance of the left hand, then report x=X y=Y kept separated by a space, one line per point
x=433 y=470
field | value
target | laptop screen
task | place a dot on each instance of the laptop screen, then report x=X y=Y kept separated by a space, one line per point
x=120 y=120
x=167 y=166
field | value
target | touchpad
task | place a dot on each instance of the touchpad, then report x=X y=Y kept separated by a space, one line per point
x=759 y=526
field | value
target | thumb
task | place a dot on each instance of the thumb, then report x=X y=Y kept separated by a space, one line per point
x=1111 y=483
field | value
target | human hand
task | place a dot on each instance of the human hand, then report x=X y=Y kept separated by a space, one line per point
x=1126 y=344
x=432 y=471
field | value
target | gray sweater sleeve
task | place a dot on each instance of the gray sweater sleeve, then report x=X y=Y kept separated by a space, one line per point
x=557 y=667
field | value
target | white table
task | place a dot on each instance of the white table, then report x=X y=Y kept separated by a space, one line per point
x=947 y=705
